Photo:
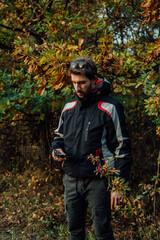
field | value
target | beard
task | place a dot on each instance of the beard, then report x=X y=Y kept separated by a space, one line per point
x=83 y=94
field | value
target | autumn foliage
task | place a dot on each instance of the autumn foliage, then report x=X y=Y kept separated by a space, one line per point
x=38 y=40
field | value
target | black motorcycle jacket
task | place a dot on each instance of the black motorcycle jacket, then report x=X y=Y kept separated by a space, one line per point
x=93 y=125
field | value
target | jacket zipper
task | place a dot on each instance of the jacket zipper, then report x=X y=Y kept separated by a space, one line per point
x=86 y=132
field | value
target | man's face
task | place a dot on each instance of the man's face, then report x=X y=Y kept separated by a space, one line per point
x=82 y=85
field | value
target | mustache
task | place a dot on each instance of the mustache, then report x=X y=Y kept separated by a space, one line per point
x=80 y=91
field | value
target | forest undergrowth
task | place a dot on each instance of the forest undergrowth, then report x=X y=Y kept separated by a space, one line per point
x=32 y=208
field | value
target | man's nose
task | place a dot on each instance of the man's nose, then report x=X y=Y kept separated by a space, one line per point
x=77 y=87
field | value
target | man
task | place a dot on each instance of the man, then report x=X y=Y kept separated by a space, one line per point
x=93 y=123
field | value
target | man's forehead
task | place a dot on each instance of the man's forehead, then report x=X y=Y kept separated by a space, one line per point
x=79 y=78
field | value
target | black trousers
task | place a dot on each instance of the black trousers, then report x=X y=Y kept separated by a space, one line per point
x=81 y=193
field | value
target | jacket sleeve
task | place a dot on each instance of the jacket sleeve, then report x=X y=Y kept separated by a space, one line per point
x=58 y=141
x=118 y=141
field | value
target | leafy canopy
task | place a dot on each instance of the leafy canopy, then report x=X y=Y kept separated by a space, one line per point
x=40 y=38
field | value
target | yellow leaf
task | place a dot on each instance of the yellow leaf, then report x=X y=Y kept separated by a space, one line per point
x=34 y=215
x=158 y=90
x=42 y=91
x=80 y=42
x=58 y=86
x=138 y=84
x=42 y=60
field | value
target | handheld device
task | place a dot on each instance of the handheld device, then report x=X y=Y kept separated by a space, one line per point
x=60 y=155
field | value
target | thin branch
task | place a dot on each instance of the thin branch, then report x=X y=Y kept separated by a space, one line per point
x=37 y=36
x=66 y=5
x=154 y=201
x=49 y=6
x=12 y=29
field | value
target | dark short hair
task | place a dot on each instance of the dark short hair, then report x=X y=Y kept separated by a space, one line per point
x=88 y=69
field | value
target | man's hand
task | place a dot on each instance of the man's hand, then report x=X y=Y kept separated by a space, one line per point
x=116 y=198
x=59 y=151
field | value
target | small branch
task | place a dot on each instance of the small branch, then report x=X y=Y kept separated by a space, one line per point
x=37 y=36
x=12 y=29
x=49 y=6
x=154 y=201
x=66 y=5
x=140 y=225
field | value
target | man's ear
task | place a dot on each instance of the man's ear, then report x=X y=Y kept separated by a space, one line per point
x=94 y=80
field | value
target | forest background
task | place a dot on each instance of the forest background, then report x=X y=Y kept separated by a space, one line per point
x=38 y=39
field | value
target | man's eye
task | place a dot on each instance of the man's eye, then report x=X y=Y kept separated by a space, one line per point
x=79 y=83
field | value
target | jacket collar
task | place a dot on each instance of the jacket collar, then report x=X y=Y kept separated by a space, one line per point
x=102 y=88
